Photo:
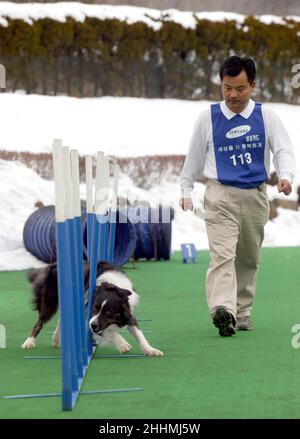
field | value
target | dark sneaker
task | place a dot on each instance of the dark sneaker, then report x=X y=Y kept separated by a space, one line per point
x=224 y=321
x=244 y=323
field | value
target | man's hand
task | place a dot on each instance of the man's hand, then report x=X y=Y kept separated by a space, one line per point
x=285 y=187
x=186 y=203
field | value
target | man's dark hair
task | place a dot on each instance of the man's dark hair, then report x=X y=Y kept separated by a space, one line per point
x=234 y=65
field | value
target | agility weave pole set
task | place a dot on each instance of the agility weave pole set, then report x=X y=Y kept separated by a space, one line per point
x=77 y=347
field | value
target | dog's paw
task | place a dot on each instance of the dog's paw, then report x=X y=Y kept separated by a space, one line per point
x=56 y=340
x=124 y=346
x=29 y=343
x=152 y=352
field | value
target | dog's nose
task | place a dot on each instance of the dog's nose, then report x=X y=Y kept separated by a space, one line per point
x=94 y=326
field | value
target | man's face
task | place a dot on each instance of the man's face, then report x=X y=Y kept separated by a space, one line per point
x=236 y=91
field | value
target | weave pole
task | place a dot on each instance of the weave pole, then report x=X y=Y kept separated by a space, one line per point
x=76 y=352
x=79 y=257
x=89 y=201
x=93 y=245
x=102 y=207
x=77 y=348
x=113 y=214
x=69 y=368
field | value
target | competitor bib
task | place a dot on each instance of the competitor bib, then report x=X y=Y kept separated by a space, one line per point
x=239 y=146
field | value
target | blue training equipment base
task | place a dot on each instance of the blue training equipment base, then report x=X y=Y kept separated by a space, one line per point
x=189 y=253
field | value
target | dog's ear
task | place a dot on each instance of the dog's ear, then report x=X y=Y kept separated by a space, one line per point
x=108 y=286
x=105 y=286
x=121 y=292
x=124 y=294
x=103 y=266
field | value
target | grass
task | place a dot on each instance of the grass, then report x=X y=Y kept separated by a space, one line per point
x=253 y=375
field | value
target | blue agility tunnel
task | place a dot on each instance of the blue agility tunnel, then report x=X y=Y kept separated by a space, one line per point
x=141 y=233
x=153 y=231
x=39 y=236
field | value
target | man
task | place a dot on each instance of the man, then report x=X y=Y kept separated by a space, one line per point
x=231 y=146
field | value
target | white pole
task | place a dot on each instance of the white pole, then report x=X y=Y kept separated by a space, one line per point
x=67 y=182
x=59 y=189
x=102 y=184
x=89 y=183
x=116 y=171
x=75 y=183
x=106 y=184
x=99 y=173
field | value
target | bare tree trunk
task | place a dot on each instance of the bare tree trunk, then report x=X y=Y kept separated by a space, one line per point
x=56 y=77
x=81 y=74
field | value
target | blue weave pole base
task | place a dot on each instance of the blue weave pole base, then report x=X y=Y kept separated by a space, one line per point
x=83 y=392
x=122 y=331
x=69 y=404
x=78 y=392
x=57 y=357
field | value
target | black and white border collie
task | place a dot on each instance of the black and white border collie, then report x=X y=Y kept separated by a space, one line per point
x=113 y=304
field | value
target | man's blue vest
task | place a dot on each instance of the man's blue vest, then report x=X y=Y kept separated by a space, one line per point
x=239 y=146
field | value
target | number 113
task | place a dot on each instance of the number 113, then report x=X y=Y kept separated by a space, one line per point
x=243 y=158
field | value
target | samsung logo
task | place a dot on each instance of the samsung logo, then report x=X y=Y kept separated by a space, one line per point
x=238 y=131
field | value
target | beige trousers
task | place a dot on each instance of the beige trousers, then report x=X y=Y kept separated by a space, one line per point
x=235 y=220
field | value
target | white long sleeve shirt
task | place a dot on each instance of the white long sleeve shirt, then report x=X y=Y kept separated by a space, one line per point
x=200 y=160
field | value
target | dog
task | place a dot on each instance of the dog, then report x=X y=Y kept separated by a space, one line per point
x=113 y=303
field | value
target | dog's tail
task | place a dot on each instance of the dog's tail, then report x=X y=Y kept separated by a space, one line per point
x=32 y=274
x=44 y=283
x=44 y=287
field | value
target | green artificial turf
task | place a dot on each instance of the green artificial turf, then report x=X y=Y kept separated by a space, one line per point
x=202 y=375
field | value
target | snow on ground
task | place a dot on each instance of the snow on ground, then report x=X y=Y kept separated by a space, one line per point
x=122 y=127
x=21 y=188
x=132 y=14
x=118 y=126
